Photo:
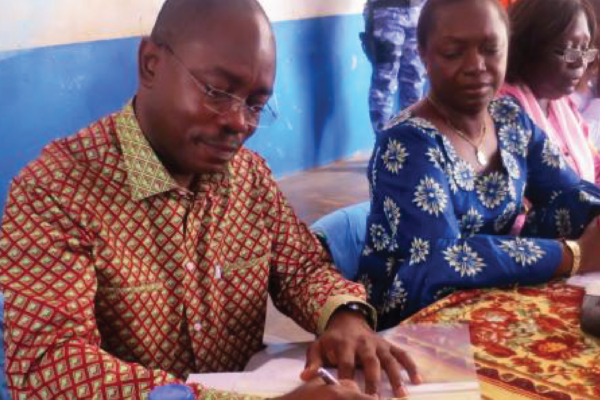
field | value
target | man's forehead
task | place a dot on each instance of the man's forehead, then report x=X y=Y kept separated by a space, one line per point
x=231 y=65
x=229 y=36
x=228 y=54
x=231 y=23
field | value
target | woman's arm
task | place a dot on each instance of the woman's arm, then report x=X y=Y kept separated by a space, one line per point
x=415 y=249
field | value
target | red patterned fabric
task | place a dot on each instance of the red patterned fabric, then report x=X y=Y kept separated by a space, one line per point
x=117 y=281
x=527 y=341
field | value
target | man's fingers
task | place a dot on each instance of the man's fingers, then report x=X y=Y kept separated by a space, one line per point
x=393 y=370
x=356 y=395
x=407 y=362
x=314 y=361
x=349 y=384
x=371 y=368
x=346 y=359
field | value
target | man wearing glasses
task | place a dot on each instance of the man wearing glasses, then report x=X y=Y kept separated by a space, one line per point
x=142 y=249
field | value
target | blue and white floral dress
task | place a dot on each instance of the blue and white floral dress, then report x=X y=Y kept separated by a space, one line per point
x=437 y=226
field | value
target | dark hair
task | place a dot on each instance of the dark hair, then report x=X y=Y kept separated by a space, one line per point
x=427 y=18
x=536 y=24
x=595 y=4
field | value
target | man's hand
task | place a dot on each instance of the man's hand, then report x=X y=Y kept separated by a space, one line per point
x=316 y=389
x=347 y=342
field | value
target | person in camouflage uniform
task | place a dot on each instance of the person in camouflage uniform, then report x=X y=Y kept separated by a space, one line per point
x=391 y=45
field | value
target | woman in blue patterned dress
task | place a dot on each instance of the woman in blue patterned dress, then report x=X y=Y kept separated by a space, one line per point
x=448 y=178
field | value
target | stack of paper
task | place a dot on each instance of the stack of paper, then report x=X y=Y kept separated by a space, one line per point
x=586 y=280
x=442 y=354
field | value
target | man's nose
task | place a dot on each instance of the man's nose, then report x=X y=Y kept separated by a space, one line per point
x=236 y=118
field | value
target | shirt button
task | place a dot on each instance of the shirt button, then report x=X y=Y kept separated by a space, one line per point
x=218 y=272
x=190 y=266
x=197 y=326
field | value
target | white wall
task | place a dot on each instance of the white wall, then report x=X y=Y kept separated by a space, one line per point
x=26 y=24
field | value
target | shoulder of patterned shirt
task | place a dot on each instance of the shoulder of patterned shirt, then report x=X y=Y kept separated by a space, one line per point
x=92 y=148
x=95 y=151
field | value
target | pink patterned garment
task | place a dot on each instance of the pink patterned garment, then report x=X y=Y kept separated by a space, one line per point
x=565 y=127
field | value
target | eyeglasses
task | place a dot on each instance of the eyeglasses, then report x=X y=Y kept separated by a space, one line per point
x=221 y=102
x=571 y=56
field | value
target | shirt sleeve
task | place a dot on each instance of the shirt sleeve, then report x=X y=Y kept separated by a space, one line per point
x=563 y=204
x=304 y=283
x=415 y=252
x=53 y=345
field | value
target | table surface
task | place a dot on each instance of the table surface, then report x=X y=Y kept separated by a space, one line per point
x=527 y=341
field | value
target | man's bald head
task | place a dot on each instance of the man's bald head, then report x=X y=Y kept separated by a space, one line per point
x=182 y=20
x=203 y=58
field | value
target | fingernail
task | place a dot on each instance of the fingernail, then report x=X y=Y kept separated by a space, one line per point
x=418 y=379
x=306 y=374
x=402 y=391
x=371 y=390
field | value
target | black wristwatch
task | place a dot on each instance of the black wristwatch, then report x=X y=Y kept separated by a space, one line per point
x=361 y=309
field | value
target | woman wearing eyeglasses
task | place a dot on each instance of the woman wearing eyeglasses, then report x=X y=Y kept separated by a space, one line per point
x=551 y=46
x=448 y=176
x=587 y=96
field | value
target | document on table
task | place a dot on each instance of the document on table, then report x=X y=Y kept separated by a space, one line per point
x=442 y=354
x=586 y=280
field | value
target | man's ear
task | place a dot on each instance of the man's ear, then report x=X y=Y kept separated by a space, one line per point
x=148 y=59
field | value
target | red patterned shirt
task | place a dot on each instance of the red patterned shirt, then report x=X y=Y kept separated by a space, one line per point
x=117 y=280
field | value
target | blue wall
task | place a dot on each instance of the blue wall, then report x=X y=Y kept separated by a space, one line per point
x=321 y=90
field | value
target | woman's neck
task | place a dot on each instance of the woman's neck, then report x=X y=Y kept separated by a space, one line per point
x=542 y=99
x=470 y=124
x=544 y=105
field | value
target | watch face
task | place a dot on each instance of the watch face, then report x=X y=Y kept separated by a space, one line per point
x=362 y=309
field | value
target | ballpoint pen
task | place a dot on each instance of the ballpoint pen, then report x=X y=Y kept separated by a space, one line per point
x=327 y=377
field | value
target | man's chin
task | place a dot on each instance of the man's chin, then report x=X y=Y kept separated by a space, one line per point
x=212 y=166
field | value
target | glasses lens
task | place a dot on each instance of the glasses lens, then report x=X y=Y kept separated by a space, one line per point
x=215 y=107
x=219 y=102
x=572 y=55
x=261 y=120
x=590 y=55
x=222 y=103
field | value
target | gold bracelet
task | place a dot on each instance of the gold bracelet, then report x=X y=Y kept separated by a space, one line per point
x=574 y=247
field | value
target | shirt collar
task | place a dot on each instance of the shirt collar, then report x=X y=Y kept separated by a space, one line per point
x=146 y=175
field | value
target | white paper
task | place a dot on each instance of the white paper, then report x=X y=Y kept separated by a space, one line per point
x=585 y=280
x=276 y=370
x=276 y=385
